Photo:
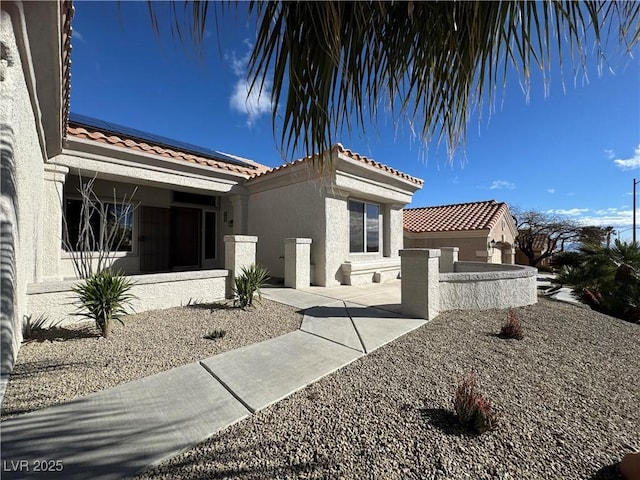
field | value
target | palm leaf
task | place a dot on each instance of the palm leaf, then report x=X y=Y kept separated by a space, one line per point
x=331 y=65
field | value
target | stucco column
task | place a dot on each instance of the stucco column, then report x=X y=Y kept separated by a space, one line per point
x=392 y=234
x=239 y=252
x=420 y=285
x=54 y=178
x=297 y=262
x=448 y=256
x=240 y=204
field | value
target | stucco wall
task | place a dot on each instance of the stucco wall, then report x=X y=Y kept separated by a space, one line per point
x=22 y=181
x=288 y=211
x=157 y=291
x=485 y=286
x=469 y=246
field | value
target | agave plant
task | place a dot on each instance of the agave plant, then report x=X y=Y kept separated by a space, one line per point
x=103 y=297
x=249 y=283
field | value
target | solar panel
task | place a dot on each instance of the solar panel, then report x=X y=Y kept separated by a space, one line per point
x=159 y=140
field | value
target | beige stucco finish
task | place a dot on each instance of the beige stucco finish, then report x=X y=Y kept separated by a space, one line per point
x=462 y=285
x=56 y=301
x=305 y=201
x=24 y=154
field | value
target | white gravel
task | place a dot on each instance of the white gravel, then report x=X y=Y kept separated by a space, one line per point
x=567 y=396
x=63 y=364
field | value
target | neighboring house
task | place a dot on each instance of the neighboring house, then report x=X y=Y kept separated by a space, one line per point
x=540 y=246
x=483 y=231
x=189 y=198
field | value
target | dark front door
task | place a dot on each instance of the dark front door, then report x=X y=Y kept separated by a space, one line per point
x=185 y=237
x=154 y=239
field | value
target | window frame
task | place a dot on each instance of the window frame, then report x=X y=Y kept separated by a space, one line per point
x=115 y=254
x=204 y=235
x=365 y=204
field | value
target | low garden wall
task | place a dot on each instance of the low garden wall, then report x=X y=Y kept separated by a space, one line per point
x=54 y=300
x=512 y=286
x=434 y=281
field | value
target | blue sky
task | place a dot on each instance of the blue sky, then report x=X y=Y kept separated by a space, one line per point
x=572 y=152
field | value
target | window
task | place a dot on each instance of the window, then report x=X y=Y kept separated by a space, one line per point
x=364 y=227
x=83 y=229
x=209 y=235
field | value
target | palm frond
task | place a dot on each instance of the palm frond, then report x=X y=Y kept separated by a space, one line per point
x=332 y=65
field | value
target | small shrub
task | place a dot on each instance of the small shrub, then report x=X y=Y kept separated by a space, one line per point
x=513 y=327
x=249 y=283
x=215 y=334
x=30 y=326
x=104 y=297
x=473 y=410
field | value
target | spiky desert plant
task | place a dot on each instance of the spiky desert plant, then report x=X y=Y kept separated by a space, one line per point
x=248 y=284
x=513 y=327
x=473 y=409
x=103 y=297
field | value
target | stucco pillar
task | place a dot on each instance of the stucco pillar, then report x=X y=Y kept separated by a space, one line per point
x=509 y=255
x=239 y=252
x=420 y=285
x=448 y=256
x=392 y=233
x=240 y=204
x=297 y=262
x=54 y=178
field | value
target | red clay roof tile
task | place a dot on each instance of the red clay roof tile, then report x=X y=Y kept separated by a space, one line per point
x=345 y=151
x=121 y=141
x=458 y=217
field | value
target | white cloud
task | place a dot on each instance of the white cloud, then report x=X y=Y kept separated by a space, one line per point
x=250 y=102
x=76 y=35
x=570 y=211
x=619 y=218
x=629 y=163
x=609 y=216
x=610 y=154
x=502 y=185
x=551 y=190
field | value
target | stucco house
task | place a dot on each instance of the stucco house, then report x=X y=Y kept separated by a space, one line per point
x=195 y=206
x=483 y=231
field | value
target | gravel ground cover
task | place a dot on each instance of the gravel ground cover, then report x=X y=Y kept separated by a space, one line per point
x=62 y=364
x=567 y=396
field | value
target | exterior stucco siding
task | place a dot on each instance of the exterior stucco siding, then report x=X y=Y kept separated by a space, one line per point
x=22 y=181
x=468 y=247
x=158 y=291
x=290 y=211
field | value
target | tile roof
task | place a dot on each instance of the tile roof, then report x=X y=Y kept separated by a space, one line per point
x=455 y=218
x=345 y=151
x=120 y=140
x=540 y=242
x=67 y=12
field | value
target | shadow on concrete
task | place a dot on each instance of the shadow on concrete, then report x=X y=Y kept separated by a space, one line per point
x=350 y=311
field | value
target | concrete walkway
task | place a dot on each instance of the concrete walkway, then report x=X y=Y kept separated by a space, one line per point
x=120 y=432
